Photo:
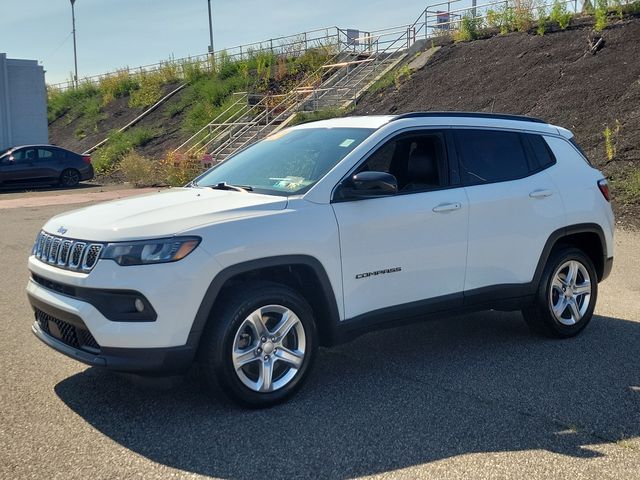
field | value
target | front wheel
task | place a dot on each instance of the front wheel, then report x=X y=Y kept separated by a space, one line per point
x=566 y=295
x=259 y=348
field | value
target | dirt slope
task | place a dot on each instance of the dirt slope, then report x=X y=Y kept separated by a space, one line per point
x=551 y=77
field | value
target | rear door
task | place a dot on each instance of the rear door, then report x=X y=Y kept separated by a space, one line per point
x=50 y=162
x=514 y=205
x=408 y=249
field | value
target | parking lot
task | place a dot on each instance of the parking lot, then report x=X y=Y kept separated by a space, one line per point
x=475 y=396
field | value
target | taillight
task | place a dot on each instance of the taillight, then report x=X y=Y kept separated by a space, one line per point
x=86 y=158
x=603 y=185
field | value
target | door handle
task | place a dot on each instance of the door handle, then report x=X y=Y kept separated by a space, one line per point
x=541 y=193
x=447 y=207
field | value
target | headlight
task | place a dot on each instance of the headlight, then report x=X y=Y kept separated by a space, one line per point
x=143 y=252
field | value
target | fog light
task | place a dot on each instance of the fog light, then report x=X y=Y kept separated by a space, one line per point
x=139 y=304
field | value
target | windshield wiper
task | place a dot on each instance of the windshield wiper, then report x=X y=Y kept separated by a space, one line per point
x=235 y=188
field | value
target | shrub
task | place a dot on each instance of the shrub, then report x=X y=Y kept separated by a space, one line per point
x=560 y=15
x=541 y=27
x=601 y=15
x=507 y=20
x=117 y=85
x=611 y=139
x=468 y=30
x=523 y=15
x=148 y=92
x=140 y=171
x=178 y=172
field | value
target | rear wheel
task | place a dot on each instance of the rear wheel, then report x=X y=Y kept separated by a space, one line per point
x=69 y=178
x=566 y=295
x=260 y=347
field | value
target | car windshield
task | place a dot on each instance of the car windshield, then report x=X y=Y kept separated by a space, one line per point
x=287 y=163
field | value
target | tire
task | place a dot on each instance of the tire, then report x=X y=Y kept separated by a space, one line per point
x=69 y=178
x=564 y=306
x=236 y=333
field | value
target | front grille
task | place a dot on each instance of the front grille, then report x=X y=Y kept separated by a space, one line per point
x=65 y=253
x=72 y=335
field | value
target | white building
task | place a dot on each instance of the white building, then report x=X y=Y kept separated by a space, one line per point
x=23 y=103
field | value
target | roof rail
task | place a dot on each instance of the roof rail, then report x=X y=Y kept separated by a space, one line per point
x=497 y=116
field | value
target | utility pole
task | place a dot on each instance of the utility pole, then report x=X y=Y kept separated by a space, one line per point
x=75 y=53
x=211 y=51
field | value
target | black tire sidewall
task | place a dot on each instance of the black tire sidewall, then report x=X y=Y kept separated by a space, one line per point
x=557 y=259
x=234 y=315
x=64 y=183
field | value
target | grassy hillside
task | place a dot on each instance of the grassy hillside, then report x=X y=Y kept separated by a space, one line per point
x=82 y=117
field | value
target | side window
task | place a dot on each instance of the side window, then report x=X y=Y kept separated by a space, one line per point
x=24 y=155
x=418 y=161
x=541 y=151
x=488 y=156
x=44 y=154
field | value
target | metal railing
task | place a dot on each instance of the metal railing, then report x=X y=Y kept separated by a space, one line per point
x=290 y=45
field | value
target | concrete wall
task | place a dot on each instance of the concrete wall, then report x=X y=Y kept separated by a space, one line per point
x=23 y=103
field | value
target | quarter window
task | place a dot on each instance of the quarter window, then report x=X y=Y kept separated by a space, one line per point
x=541 y=150
x=491 y=156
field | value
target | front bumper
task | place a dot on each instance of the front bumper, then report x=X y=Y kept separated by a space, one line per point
x=160 y=361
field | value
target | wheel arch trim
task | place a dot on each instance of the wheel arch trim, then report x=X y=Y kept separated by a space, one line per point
x=564 y=232
x=217 y=284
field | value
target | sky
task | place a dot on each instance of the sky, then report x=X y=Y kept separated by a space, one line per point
x=117 y=33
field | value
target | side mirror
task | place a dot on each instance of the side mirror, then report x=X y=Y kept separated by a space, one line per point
x=368 y=185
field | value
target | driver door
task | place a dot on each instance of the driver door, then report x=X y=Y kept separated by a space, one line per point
x=407 y=250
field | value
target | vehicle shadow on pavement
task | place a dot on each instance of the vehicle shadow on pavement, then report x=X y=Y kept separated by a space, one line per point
x=389 y=400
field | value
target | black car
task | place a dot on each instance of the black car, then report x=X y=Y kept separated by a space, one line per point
x=44 y=164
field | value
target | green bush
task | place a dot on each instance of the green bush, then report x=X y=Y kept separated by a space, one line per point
x=117 y=85
x=560 y=15
x=541 y=27
x=148 y=92
x=601 y=15
x=468 y=30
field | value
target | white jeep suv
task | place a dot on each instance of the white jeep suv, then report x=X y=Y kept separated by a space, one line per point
x=323 y=231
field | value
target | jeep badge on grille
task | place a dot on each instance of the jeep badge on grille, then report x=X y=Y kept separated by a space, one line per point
x=62 y=230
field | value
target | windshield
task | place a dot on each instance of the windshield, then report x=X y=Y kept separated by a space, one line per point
x=288 y=162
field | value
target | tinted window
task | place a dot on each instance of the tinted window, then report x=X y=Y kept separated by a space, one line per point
x=24 y=155
x=44 y=153
x=491 y=156
x=541 y=151
x=417 y=161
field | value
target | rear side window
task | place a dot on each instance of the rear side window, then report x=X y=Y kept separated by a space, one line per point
x=44 y=153
x=488 y=156
x=541 y=151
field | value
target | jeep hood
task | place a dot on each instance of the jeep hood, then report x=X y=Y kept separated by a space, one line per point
x=160 y=214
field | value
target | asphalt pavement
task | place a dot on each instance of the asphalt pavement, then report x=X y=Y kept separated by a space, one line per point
x=475 y=396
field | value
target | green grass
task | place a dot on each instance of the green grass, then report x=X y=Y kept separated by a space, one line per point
x=106 y=158
x=627 y=188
